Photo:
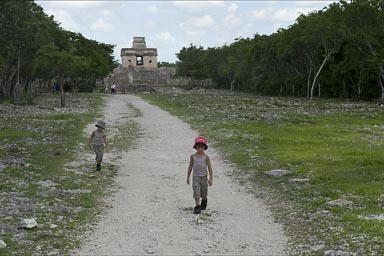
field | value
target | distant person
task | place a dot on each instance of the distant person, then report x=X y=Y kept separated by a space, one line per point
x=113 y=89
x=198 y=164
x=53 y=86
x=106 y=89
x=98 y=138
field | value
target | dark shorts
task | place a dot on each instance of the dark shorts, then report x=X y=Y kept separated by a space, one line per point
x=200 y=186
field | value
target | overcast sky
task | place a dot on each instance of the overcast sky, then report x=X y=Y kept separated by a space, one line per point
x=171 y=25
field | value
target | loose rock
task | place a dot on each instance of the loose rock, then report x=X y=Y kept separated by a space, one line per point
x=337 y=253
x=2 y=244
x=340 y=203
x=276 y=173
x=28 y=223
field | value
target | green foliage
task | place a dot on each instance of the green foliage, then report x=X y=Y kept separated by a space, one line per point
x=331 y=150
x=189 y=64
x=166 y=64
x=34 y=41
x=333 y=53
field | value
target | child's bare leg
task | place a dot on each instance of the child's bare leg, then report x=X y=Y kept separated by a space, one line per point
x=197 y=201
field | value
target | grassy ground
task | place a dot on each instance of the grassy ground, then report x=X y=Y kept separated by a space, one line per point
x=331 y=149
x=44 y=174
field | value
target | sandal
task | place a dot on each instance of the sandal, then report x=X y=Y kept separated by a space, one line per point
x=204 y=204
x=197 y=210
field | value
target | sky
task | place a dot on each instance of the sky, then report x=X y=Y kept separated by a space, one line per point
x=171 y=25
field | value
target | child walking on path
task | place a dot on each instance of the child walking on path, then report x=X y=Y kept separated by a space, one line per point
x=199 y=163
x=98 y=138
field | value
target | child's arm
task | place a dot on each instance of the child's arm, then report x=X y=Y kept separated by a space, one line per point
x=90 y=139
x=106 y=142
x=210 y=181
x=190 y=169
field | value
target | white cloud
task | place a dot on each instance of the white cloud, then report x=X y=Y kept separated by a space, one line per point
x=76 y=4
x=262 y=14
x=107 y=13
x=195 y=35
x=232 y=21
x=100 y=25
x=277 y=15
x=165 y=36
x=205 y=21
x=284 y=15
x=65 y=19
x=312 y=4
x=232 y=7
x=150 y=24
x=153 y=9
x=198 y=6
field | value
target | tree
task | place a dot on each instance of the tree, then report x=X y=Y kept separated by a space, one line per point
x=189 y=62
x=60 y=64
x=364 y=30
x=337 y=50
x=22 y=26
x=26 y=32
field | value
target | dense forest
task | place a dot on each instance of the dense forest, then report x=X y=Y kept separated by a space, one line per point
x=33 y=47
x=336 y=52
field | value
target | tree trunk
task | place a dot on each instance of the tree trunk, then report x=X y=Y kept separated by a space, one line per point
x=309 y=83
x=232 y=84
x=16 y=98
x=62 y=95
x=318 y=73
x=381 y=68
x=293 y=89
x=2 y=86
x=281 y=89
x=381 y=78
x=357 y=87
x=6 y=85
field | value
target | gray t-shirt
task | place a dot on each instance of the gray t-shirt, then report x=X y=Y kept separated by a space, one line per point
x=98 y=138
x=200 y=165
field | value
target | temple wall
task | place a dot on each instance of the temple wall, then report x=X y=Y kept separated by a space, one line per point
x=147 y=55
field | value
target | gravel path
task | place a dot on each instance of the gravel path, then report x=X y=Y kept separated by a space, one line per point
x=152 y=212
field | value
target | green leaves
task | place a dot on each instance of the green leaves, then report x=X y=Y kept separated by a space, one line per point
x=334 y=52
x=45 y=50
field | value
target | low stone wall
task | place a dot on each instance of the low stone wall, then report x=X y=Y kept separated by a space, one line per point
x=133 y=79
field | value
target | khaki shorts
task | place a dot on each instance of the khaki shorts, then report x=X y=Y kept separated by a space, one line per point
x=200 y=186
x=99 y=151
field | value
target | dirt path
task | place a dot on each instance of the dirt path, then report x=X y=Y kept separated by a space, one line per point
x=152 y=212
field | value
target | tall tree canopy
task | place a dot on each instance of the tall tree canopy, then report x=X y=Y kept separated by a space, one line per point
x=333 y=52
x=34 y=46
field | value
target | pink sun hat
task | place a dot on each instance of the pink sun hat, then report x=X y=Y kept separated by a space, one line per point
x=201 y=140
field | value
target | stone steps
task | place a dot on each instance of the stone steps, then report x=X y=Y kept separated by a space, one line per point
x=138 y=79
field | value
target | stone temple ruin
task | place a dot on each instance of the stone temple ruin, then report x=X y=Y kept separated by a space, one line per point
x=139 y=55
x=139 y=71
